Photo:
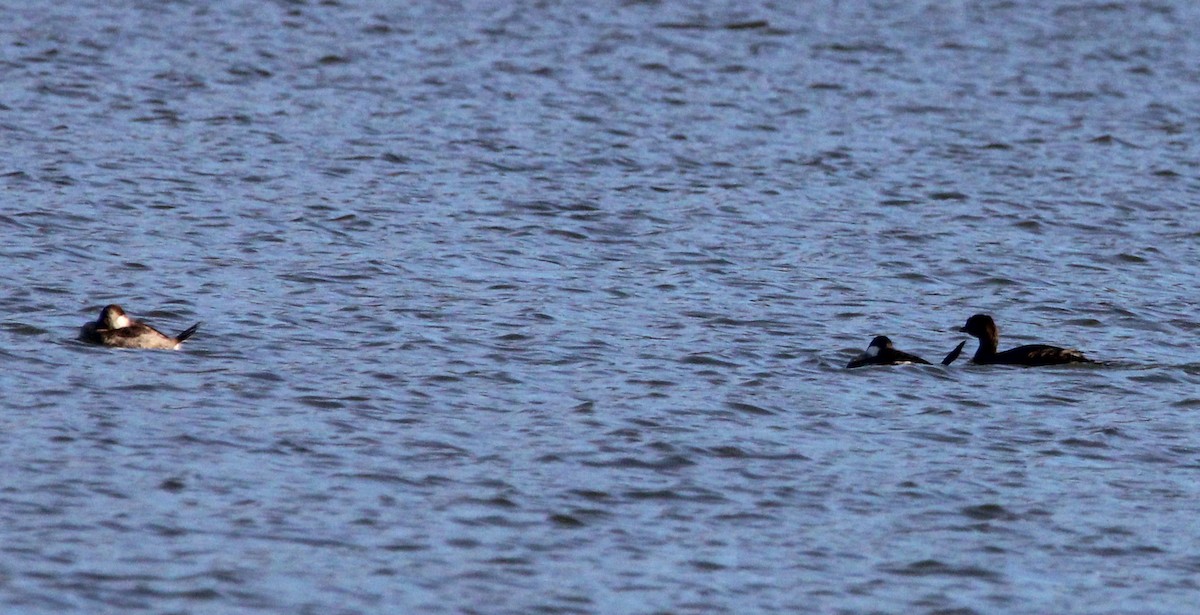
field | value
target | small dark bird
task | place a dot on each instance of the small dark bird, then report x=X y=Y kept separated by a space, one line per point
x=983 y=327
x=115 y=328
x=882 y=352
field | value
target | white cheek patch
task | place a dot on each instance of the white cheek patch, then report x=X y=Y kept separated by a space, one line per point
x=121 y=322
x=872 y=352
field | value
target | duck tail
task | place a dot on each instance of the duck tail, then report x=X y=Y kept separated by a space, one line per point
x=953 y=354
x=186 y=333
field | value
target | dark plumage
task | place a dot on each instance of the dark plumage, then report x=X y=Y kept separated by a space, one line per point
x=953 y=354
x=983 y=327
x=882 y=352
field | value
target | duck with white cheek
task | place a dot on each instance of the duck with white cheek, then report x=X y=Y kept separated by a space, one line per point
x=115 y=328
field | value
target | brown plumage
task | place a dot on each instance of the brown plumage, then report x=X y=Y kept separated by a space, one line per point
x=115 y=328
x=984 y=328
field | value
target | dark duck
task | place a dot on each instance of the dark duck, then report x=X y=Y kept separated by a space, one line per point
x=881 y=351
x=983 y=327
x=115 y=328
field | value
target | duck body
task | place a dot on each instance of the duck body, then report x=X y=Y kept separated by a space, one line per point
x=881 y=351
x=982 y=326
x=115 y=328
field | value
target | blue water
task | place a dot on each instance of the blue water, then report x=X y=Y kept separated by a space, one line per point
x=536 y=307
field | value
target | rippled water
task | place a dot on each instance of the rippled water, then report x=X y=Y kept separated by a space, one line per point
x=536 y=307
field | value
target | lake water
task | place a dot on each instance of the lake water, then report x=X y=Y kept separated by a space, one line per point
x=543 y=307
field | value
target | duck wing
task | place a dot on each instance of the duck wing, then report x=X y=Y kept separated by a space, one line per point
x=1041 y=354
x=892 y=356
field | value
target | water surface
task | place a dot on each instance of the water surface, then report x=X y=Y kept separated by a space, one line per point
x=532 y=307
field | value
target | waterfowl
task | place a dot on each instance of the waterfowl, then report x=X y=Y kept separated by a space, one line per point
x=115 y=328
x=881 y=351
x=984 y=328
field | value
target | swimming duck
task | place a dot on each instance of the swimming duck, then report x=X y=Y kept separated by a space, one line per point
x=115 y=328
x=983 y=327
x=881 y=351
